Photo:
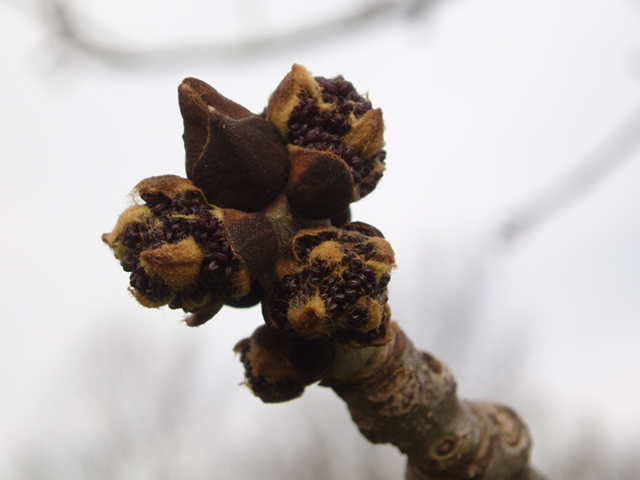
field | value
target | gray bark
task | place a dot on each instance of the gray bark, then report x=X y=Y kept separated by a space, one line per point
x=397 y=394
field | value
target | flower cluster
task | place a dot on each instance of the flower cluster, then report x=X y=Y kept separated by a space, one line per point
x=334 y=138
x=279 y=367
x=333 y=282
x=263 y=216
x=183 y=252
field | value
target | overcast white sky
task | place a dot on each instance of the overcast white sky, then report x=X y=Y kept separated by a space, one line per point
x=486 y=102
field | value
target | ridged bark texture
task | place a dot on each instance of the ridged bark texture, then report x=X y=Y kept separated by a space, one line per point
x=397 y=394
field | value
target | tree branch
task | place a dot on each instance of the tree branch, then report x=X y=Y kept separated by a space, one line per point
x=399 y=395
x=585 y=176
x=71 y=33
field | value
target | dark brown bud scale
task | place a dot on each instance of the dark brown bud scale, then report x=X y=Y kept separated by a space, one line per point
x=342 y=219
x=320 y=185
x=237 y=158
x=254 y=236
x=363 y=228
x=254 y=297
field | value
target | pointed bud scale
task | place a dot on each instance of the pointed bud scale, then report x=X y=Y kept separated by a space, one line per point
x=254 y=238
x=195 y=90
x=203 y=315
x=286 y=97
x=320 y=185
x=237 y=159
x=366 y=136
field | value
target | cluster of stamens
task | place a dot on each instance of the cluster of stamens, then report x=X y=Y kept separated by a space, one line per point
x=338 y=287
x=311 y=126
x=173 y=220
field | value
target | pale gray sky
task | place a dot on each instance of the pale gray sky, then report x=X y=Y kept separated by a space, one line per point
x=486 y=103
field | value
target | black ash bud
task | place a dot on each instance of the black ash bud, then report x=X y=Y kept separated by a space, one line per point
x=279 y=367
x=335 y=125
x=332 y=283
x=236 y=158
x=183 y=252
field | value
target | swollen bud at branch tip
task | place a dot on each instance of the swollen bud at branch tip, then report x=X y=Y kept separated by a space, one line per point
x=329 y=120
x=279 y=367
x=183 y=252
x=332 y=283
x=236 y=158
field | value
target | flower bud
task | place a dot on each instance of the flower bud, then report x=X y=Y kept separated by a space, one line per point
x=279 y=367
x=332 y=283
x=184 y=252
x=327 y=117
x=235 y=157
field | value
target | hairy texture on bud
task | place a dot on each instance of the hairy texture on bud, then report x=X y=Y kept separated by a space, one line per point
x=320 y=185
x=236 y=158
x=327 y=116
x=342 y=219
x=279 y=367
x=251 y=299
x=184 y=252
x=332 y=283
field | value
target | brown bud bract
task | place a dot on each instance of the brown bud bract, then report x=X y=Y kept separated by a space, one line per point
x=366 y=136
x=253 y=238
x=285 y=98
x=203 y=315
x=170 y=185
x=341 y=219
x=320 y=185
x=178 y=264
x=236 y=158
x=363 y=228
x=251 y=299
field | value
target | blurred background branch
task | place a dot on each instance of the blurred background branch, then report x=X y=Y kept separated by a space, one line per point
x=586 y=175
x=72 y=34
x=446 y=304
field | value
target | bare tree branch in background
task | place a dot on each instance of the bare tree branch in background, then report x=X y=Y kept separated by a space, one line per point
x=137 y=411
x=589 y=173
x=532 y=213
x=456 y=301
x=69 y=31
x=132 y=411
